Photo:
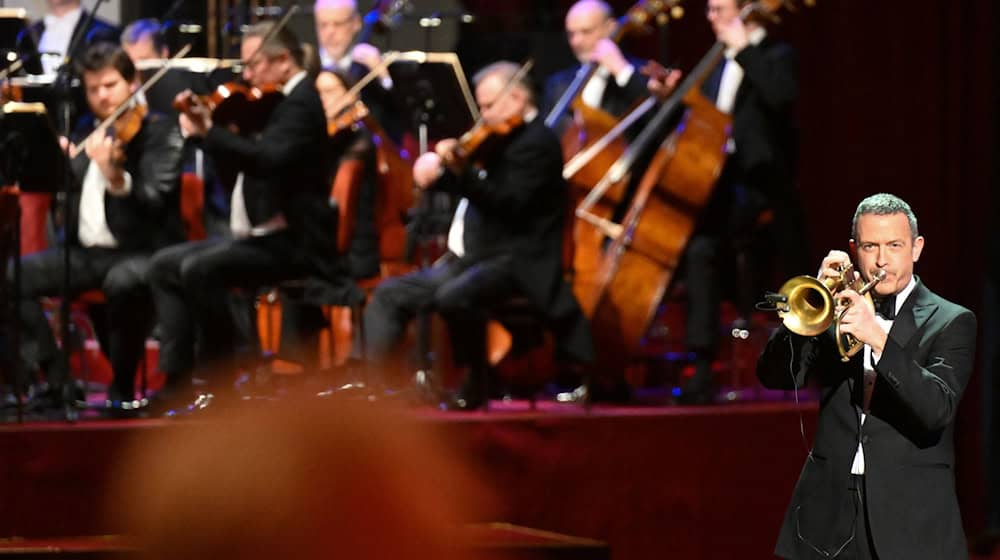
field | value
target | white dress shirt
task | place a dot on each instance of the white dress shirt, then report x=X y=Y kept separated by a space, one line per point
x=594 y=90
x=732 y=74
x=55 y=40
x=870 y=358
x=239 y=220
x=93 y=230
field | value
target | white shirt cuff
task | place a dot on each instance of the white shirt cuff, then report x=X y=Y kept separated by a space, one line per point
x=623 y=76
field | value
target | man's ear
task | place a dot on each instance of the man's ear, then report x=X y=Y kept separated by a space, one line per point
x=918 y=247
x=853 y=245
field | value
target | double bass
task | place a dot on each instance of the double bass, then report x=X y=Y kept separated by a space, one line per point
x=584 y=134
x=638 y=265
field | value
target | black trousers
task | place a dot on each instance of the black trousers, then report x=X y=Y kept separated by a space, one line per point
x=852 y=519
x=460 y=291
x=192 y=287
x=728 y=228
x=121 y=275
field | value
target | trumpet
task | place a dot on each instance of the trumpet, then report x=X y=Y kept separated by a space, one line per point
x=808 y=306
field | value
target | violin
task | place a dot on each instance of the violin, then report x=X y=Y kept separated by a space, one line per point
x=348 y=118
x=473 y=142
x=235 y=105
x=128 y=124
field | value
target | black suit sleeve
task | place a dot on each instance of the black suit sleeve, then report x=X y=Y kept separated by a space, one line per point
x=156 y=178
x=790 y=360
x=932 y=390
x=528 y=164
x=289 y=134
x=773 y=73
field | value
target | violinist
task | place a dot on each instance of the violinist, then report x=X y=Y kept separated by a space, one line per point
x=343 y=45
x=125 y=206
x=617 y=85
x=757 y=83
x=351 y=141
x=281 y=222
x=506 y=238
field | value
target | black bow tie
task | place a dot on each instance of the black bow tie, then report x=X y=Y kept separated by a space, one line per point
x=886 y=307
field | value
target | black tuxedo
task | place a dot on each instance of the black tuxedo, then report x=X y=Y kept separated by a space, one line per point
x=513 y=245
x=285 y=170
x=615 y=100
x=907 y=437
x=141 y=221
x=99 y=31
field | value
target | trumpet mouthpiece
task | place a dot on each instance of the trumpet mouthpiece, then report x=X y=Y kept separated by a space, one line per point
x=879 y=275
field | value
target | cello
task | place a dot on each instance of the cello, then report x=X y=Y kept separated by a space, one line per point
x=645 y=249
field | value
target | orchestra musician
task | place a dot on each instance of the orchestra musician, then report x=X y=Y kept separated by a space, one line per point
x=124 y=207
x=343 y=46
x=506 y=239
x=281 y=220
x=302 y=319
x=757 y=84
x=45 y=44
x=143 y=40
x=617 y=84
x=879 y=481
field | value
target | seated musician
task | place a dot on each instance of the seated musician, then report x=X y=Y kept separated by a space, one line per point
x=302 y=319
x=123 y=208
x=338 y=29
x=617 y=84
x=281 y=220
x=757 y=84
x=506 y=239
x=45 y=44
x=143 y=40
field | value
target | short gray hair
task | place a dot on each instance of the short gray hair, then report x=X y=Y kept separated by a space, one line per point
x=884 y=204
x=506 y=71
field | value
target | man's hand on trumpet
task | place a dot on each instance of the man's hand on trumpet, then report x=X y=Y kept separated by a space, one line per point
x=833 y=263
x=859 y=320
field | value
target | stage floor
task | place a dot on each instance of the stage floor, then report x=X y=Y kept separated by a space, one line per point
x=653 y=482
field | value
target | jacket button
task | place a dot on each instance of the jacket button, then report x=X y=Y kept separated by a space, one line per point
x=864 y=439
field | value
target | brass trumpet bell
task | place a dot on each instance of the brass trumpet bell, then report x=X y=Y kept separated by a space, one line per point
x=808 y=307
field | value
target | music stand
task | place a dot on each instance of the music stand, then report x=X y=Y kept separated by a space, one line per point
x=12 y=22
x=30 y=157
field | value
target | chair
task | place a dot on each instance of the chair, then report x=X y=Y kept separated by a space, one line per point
x=516 y=326
x=34 y=207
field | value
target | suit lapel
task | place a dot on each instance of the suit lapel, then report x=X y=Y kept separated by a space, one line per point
x=916 y=310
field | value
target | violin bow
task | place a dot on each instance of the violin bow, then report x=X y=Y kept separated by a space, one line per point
x=274 y=31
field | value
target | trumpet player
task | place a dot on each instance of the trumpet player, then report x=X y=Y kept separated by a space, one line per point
x=879 y=480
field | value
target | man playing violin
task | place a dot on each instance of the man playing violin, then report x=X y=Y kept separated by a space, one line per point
x=879 y=480
x=338 y=28
x=506 y=238
x=125 y=206
x=280 y=218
